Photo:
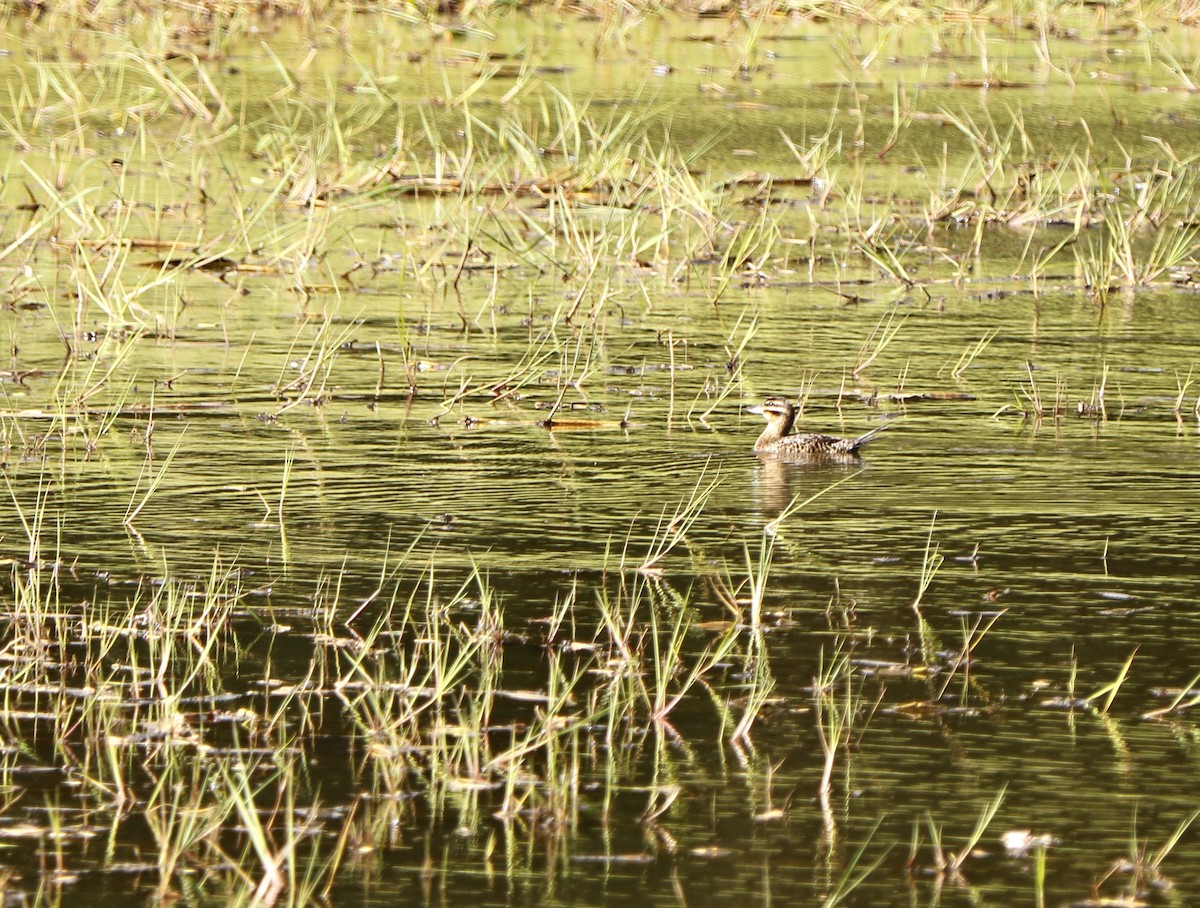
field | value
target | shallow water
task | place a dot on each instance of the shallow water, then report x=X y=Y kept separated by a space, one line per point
x=415 y=473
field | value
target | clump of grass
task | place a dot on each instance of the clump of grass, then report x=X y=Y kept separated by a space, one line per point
x=671 y=532
x=880 y=338
x=967 y=358
x=951 y=864
x=1143 y=868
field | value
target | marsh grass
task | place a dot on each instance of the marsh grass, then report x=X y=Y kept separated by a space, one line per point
x=839 y=707
x=153 y=482
x=445 y=729
x=514 y=242
x=1144 y=868
x=221 y=778
x=951 y=864
x=671 y=531
x=858 y=869
x=880 y=338
x=972 y=353
x=1108 y=692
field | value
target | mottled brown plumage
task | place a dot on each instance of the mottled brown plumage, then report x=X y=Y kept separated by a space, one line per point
x=780 y=415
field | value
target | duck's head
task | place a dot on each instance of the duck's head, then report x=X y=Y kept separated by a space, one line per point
x=775 y=409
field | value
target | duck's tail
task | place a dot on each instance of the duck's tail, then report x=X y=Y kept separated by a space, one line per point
x=866 y=437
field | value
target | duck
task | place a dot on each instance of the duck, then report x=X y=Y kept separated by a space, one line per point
x=780 y=414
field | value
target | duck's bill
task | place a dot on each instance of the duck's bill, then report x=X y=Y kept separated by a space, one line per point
x=756 y=410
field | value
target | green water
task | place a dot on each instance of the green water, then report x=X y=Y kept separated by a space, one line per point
x=351 y=424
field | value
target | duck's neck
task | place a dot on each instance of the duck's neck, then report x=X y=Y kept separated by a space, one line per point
x=778 y=426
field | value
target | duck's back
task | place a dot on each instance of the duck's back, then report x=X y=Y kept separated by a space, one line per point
x=816 y=444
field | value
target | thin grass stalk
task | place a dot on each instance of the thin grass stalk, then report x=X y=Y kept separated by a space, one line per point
x=968 y=356
x=971 y=639
x=1177 y=703
x=856 y=872
x=1109 y=691
x=735 y=348
x=762 y=683
x=878 y=340
x=931 y=561
x=668 y=534
x=981 y=825
x=156 y=480
x=1159 y=856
